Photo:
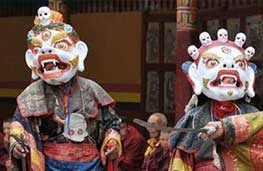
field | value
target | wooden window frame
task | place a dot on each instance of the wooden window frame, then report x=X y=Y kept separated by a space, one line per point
x=161 y=67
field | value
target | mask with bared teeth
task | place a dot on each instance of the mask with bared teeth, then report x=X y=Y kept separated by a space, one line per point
x=55 y=52
x=222 y=70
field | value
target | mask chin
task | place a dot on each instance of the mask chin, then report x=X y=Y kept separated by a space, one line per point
x=225 y=95
x=66 y=77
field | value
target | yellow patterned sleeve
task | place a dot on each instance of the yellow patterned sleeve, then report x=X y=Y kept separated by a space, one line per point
x=179 y=165
x=111 y=134
x=37 y=159
x=16 y=130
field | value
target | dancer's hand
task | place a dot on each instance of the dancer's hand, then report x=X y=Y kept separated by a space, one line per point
x=19 y=151
x=213 y=130
x=110 y=151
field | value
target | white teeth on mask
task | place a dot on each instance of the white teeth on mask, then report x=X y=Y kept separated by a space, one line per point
x=222 y=77
x=55 y=67
x=48 y=61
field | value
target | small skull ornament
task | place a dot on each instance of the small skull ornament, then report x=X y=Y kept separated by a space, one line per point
x=222 y=35
x=75 y=128
x=44 y=14
x=249 y=52
x=193 y=51
x=240 y=39
x=205 y=39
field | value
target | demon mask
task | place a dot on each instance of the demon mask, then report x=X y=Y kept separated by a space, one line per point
x=55 y=52
x=221 y=69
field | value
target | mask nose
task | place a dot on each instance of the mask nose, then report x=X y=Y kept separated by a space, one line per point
x=228 y=64
x=45 y=50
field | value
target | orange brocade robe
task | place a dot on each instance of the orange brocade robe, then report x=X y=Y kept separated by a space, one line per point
x=239 y=149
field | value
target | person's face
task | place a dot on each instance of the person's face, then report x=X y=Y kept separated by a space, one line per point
x=154 y=133
x=164 y=140
x=6 y=128
x=123 y=130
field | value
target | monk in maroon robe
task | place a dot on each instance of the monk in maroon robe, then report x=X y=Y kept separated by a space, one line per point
x=134 y=146
x=160 y=158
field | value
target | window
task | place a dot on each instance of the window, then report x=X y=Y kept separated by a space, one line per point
x=159 y=64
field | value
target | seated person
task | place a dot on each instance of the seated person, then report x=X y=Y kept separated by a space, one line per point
x=5 y=162
x=134 y=146
x=159 y=159
x=153 y=142
x=3 y=152
x=6 y=131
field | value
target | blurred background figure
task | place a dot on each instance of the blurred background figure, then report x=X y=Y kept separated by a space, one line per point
x=160 y=120
x=153 y=142
x=3 y=152
x=160 y=157
x=6 y=131
x=5 y=162
x=134 y=146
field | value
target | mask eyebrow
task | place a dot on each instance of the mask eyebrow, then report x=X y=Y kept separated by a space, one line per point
x=58 y=36
x=210 y=55
x=36 y=42
x=239 y=57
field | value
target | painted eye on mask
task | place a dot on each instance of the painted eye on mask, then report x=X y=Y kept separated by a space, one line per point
x=241 y=64
x=211 y=63
x=62 y=45
x=36 y=49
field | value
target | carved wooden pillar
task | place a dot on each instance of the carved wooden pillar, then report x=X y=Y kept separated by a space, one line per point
x=185 y=36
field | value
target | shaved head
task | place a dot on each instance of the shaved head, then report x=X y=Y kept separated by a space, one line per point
x=158 y=118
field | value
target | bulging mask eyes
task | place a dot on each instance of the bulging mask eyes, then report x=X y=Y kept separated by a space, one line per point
x=62 y=45
x=241 y=64
x=211 y=63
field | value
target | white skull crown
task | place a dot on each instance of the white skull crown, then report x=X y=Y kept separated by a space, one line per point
x=222 y=37
x=44 y=14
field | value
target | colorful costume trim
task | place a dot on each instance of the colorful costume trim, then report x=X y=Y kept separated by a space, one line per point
x=73 y=152
x=37 y=161
x=111 y=134
x=38 y=99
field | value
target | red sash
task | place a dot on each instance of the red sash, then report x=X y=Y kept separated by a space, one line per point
x=81 y=152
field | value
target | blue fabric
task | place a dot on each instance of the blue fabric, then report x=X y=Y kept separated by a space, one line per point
x=56 y=165
x=253 y=66
x=185 y=66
